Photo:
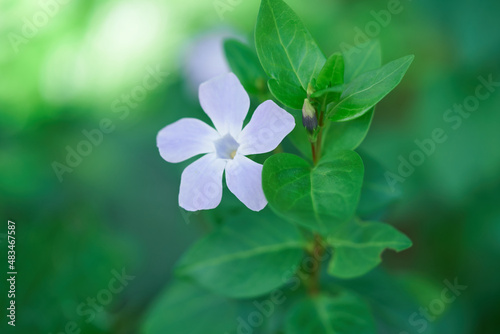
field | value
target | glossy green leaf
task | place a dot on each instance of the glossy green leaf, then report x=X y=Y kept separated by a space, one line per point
x=287 y=52
x=376 y=193
x=335 y=89
x=358 y=247
x=287 y=93
x=342 y=314
x=330 y=79
x=187 y=308
x=347 y=135
x=321 y=197
x=244 y=63
x=364 y=92
x=244 y=258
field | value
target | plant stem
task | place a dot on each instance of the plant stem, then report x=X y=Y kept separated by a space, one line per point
x=314 y=156
x=316 y=146
x=318 y=250
x=317 y=254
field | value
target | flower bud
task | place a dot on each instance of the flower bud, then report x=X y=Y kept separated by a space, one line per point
x=309 y=119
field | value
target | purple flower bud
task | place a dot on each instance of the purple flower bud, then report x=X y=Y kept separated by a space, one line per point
x=309 y=119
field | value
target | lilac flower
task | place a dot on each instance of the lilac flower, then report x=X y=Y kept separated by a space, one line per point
x=226 y=103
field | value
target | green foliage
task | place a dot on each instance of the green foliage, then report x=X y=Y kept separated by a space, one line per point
x=187 y=308
x=287 y=52
x=244 y=258
x=290 y=95
x=244 y=63
x=330 y=79
x=324 y=197
x=359 y=245
x=347 y=135
x=320 y=197
x=332 y=73
x=341 y=314
x=366 y=90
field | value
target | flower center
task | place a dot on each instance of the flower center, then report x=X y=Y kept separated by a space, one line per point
x=226 y=147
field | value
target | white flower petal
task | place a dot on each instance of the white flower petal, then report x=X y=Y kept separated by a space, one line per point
x=186 y=138
x=226 y=103
x=244 y=179
x=201 y=184
x=269 y=125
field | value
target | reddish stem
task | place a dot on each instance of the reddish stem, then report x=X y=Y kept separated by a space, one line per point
x=314 y=156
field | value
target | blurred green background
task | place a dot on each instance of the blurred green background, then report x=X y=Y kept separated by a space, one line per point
x=82 y=62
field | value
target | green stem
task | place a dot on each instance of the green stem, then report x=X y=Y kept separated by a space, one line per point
x=316 y=146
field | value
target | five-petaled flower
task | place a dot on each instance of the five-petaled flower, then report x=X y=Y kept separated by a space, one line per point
x=226 y=103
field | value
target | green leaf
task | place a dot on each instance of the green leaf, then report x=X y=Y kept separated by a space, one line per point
x=321 y=197
x=346 y=135
x=342 y=314
x=244 y=63
x=186 y=308
x=287 y=94
x=364 y=92
x=361 y=59
x=244 y=258
x=358 y=247
x=287 y=52
x=332 y=73
x=376 y=193
x=335 y=89
x=329 y=84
